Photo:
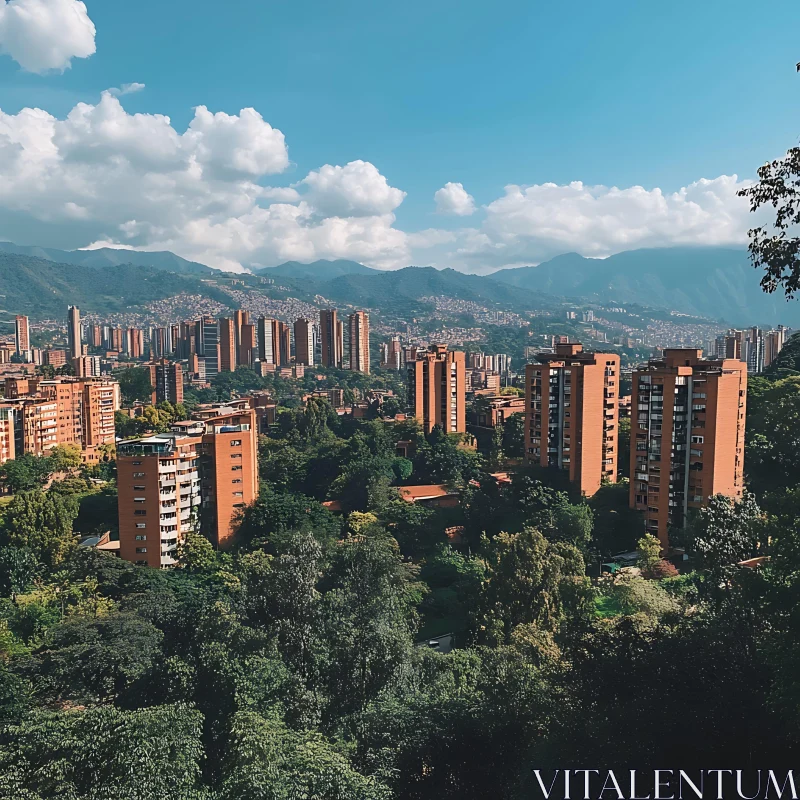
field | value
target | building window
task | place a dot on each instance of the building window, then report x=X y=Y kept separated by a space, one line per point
x=238 y=494
x=236 y=469
x=236 y=480
x=141 y=549
x=141 y=537
x=141 y=524
x=138 y=488
x=140 y=512
x=136 y=463
x=697 y=440
x=236 y=455
x=236 y=442
x=238 y=505
x=138 y=474
x=139 y=500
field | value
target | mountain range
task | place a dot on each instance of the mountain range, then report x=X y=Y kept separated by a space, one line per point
x=43 y=289
x=111 y=257
x=316 y=270
x=712 y=282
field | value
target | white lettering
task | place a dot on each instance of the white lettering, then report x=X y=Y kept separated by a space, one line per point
x=633 y=788
x=541 y=783
x=614 y=786
x=739 y=786
x=771 y=779
x=682 y=776
x=659 y=785
x=586 y=780
x=719 y=780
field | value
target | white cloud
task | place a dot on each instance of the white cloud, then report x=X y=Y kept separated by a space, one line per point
x=242 y=145
x=454 y=199
x=113 y=178
x=355 y=190
x=529 y=224
x=104 y=176
x=127 y=88
x=44 y=35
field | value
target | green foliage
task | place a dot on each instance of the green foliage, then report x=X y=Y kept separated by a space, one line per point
x=527 y=582
x=514 y=436
x=268 y=760
x=134 y=383
x=772 y=457
x=649 y=548
x=725 y=532
x=149 y=754
x=274 y=515
x=87 y=658
x=26 y=472
x=41 y=523
x=195 y=553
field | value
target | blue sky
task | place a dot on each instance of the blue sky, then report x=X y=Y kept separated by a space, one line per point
x=483 y=94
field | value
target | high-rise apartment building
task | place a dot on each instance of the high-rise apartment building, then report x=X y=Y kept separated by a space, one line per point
x=74 y=332
x=304 y=342
x=437 y=389
x=207 y=345
x=571 y=414
x=8 y=426
x=687 y=436
x=134 y=343
x=199 y=477
x=22 y=337
x=96 y=336
x=392 y=354
x=78 y=411
x=359 y=341
x=87 y=366
x=773 y=344
x=274 y=342
x=227 y=345
x=166 y=378
x=248 y=347
x=331 y=338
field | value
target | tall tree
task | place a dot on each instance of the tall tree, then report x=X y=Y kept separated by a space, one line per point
x=42 y=523
x=774 y=248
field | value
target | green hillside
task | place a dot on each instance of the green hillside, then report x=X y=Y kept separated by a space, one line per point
x=788 y=361
x=402 y=289
x=714 y=282
x=317 y=270
x=110 y=257
x=43 y=289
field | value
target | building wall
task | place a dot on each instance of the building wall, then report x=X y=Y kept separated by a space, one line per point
x=330 y=338
x=231 y=480
x=304 y=342
x=694 y=448
x=227 y=345
x=74 y=331
x=139 y=471
x=359 y=341
x=437 y=389
x=572 y=415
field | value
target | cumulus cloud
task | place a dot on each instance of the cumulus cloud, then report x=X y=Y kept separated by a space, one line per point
x=103 y=176
x=114 y=178
x=355 y=190
x=529 y=224
x=127 y=88
x=454 y=199
x=45 y=35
